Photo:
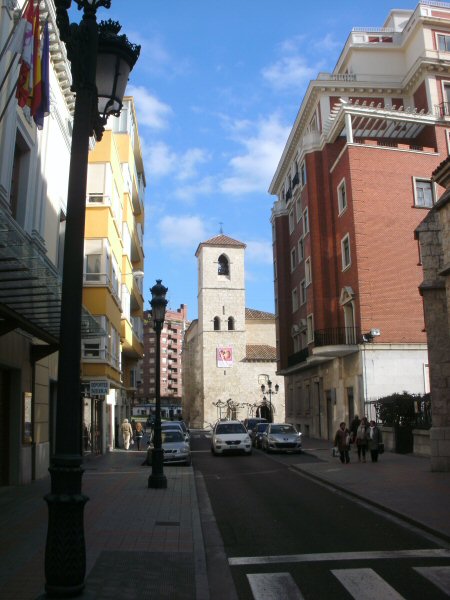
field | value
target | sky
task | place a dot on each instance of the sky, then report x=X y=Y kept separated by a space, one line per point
x=217 y=89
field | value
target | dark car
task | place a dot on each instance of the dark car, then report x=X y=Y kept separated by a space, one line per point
x=251 y=423
x=257 y=434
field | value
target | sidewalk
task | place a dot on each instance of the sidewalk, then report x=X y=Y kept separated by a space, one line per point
x=401 y=484
x=140 y=542
x=164 y=544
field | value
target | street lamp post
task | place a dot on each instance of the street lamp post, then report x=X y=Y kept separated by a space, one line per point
x=157 y=479
x=100 y=62
x=270 y=392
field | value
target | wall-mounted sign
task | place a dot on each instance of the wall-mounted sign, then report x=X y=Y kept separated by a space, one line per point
x=99 y=388
x=225 y=357
x=27 y=429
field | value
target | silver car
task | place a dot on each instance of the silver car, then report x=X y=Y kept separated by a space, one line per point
x=174 y=446
x=281 y=437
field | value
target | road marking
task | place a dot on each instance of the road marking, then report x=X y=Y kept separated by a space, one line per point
x=440 y=576
x=273 y=586
x=371 y=555
x=365 y=584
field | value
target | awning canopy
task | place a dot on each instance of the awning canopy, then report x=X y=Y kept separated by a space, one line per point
x=30 y=287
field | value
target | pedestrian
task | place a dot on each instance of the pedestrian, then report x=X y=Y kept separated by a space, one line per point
x=139 y=434
x=374 y=439
x=342 y=441
x=354 y=427
x=127 y=434
x=361 y=439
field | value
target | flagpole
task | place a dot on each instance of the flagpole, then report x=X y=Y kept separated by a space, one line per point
x=8 y=71
x=9 y=100
x=11 y=33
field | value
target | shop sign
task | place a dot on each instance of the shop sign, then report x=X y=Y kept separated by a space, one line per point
x=99 y=388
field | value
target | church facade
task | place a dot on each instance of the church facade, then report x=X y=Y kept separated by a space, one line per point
x=229 y=350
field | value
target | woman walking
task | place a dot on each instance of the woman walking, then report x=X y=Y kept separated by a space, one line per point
x=139 y=433
x=342 y=441
x=127 y=434
x=361 y=439
x=374 y=440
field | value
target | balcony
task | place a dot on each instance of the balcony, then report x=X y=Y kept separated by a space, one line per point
x=442 y=110
x=336 y=341
x=298 y=357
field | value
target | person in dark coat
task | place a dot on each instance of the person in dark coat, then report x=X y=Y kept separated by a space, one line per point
x=361 y=439
x=354 y=427
x=342 y=441
x=138 y=434
x=374 y=439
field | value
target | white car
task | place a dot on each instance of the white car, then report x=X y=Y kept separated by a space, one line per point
x=281 y=437
x=230 y=437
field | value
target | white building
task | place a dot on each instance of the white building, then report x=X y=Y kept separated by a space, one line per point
x=229 y=351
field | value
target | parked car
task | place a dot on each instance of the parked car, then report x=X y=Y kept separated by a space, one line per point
x=281 y=437
x=177 y=425
x=174 y=446
x=230 y=437
x=252 y=422
x=257 y=434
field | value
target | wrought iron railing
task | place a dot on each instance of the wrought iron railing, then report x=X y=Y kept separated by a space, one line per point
x=335 y=336
x=298 y=357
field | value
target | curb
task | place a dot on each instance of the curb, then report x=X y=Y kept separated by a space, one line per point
x=445 y=538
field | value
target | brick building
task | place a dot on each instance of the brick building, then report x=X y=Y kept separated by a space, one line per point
x=353 y=183
x=434 y=239
x=172 y=337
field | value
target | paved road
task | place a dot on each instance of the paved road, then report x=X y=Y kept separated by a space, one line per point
x=286 y=536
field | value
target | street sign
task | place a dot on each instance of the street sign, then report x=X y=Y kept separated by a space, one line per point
x=99 y=388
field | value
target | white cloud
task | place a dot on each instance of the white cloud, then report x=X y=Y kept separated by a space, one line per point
x=288 y=72
x=260 y=252
x=151 y=112
x=202 y=187
x=159 y=159
x=263 y=143
x=188 y=161
x=181 y=232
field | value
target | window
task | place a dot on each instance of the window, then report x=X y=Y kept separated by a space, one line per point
x=298 y=208
x=302 y=291
x=305 y=221
x=293 y=258
x=424 y=196
x=216 y=324
x=291 y=221
x=308 y=273
x=224 y=265
x=342 y=197
x=443 y=42
x=230 y=324
x=301 y=249
x=294 y=300
x=310 y=329
x=303 y=174
x=345 y=248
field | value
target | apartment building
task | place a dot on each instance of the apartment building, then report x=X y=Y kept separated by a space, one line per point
x=171 y=373
x=353 y=183
x=34 y=167
x=113 y=277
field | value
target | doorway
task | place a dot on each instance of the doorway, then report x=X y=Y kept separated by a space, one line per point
x=5 y=396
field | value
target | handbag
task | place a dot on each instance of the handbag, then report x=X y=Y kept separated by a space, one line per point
x=132 y=442
x=335 y=452
x=380 y=448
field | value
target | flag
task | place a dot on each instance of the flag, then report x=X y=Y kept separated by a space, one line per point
x=17 y=39
x=43 y=110
x=24 y=85
x=34 y=99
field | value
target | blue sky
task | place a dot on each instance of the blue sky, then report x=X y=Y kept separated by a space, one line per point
x=217 y=89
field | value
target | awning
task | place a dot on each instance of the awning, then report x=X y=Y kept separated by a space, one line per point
x=30 y=287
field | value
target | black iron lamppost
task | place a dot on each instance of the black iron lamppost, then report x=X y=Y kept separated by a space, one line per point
x=101 y=62
x=270 y=392
x=157 y=479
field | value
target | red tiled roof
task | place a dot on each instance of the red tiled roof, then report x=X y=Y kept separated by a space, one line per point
x=260 y=352
x=252 y=313
x=221 y=240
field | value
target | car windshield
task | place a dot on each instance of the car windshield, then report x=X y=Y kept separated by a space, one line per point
x=262 y=427
x=170 y=425
x=283 y=429
x=169 y=437
x=230 y=428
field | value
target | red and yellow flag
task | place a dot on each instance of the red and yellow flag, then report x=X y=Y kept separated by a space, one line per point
x=25 y=82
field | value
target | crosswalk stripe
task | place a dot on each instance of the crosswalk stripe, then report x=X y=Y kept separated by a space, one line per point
x=329 y=556
x=440 y=576
x=365 y=584
x=273 y=586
